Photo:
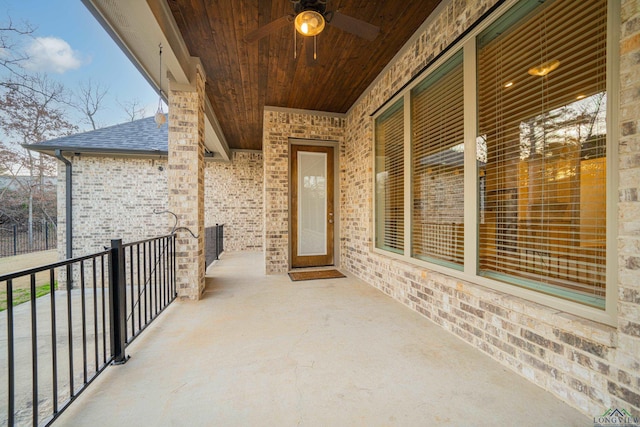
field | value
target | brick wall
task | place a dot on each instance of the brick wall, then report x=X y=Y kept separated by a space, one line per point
x=624 y=379
x=234 y=197
x=114 y=197
x=590 y=366
x=279 y=127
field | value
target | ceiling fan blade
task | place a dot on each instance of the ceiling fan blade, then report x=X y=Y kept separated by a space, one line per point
x=354 y=26
x=267 y=29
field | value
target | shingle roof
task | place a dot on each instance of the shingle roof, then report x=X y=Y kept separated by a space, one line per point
x=138 y=137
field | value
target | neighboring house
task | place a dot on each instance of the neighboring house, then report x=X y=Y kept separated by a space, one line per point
x=541 y=269
x=119 y=178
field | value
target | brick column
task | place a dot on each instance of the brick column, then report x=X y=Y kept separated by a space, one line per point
x=186 y=182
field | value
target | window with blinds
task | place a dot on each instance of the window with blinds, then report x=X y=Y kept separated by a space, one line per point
x=389 y=174
x=542 y=135
x=437 y=126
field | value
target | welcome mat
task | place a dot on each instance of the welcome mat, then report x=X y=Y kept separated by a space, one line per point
x=313 y=275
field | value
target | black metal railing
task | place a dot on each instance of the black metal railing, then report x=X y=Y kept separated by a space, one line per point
x=152 y=285
x=214 y=242
x=16 y=239
x=97 y=305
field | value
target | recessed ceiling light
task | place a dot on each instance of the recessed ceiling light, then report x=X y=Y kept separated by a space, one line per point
x=544 y=69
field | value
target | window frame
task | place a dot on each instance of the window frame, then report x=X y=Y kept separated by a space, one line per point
x=469 y=273
x=406 y=120
x=452 y=62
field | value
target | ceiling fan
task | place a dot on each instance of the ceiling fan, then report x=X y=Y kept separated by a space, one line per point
x=310 y=17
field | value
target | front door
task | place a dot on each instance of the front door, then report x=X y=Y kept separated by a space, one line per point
x=312 y=218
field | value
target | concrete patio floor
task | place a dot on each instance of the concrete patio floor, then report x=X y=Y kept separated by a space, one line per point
x=265 y=351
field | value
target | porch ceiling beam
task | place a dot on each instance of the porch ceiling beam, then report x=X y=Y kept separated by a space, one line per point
x=213 y=128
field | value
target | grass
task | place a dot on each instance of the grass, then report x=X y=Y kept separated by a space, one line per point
x=22 y=295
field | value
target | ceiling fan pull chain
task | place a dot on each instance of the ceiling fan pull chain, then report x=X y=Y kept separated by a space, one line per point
x=295 y=44
x=315 y=56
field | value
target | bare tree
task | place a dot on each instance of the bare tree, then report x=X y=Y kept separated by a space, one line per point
x=89 y=101
x=12 y=74
x=30 y=112
x=17 y=190
x=10 y=56
x=133 y=109
x=4 y=160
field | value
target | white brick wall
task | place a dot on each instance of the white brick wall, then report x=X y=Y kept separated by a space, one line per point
x=114 y=197
x=233 y=197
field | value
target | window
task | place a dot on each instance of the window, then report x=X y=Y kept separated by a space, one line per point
x=542 y=114
x=527 y=93
x=437 y=126
x=389 y=174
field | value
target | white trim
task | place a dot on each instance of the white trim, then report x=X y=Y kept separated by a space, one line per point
x=163 y=15
x=213 y=135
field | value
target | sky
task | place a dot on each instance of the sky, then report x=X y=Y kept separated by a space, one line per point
x=71 y=47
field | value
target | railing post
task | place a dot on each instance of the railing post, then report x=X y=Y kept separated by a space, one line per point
x=117 y=303
x=221 y=247
x=215 y=237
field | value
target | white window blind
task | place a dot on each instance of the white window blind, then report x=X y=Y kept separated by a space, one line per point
x=542 y=135
x=437 y=125
x=389 y=136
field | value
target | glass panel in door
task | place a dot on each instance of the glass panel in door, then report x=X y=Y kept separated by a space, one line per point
x=312 y=203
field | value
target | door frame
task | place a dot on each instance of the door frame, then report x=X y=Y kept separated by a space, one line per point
x=336 y=198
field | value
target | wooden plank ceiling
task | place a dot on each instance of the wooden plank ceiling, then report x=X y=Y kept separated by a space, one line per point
x=244 y=77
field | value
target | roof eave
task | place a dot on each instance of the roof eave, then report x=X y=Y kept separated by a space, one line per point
x=50 y=150
x=155 y=24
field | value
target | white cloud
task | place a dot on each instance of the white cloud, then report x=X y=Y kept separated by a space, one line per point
x=51 y=54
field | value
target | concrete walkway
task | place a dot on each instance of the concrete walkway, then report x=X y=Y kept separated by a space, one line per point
x=264 y=351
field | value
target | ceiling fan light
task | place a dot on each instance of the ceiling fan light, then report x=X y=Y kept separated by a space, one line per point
x=309 y=23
